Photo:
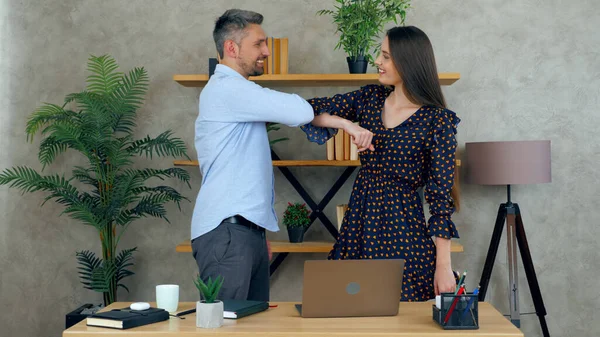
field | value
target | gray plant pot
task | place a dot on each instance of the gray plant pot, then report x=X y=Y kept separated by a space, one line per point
x=209 y=315
x=296 y=235
x=357 y=65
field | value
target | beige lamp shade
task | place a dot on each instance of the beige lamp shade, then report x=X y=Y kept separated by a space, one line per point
x=509 y=162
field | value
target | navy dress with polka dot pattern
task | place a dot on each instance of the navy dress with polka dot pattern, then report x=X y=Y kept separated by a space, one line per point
x=385 y=217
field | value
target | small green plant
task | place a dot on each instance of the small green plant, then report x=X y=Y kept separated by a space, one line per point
x=360 y=22
x=209 y=290
x=274 y=127
x=296 y=216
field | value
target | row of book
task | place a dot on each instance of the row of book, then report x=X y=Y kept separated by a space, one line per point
x=341 y=147
x=277 y=61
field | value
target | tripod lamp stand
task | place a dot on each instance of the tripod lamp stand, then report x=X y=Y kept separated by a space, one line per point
x=511 y=163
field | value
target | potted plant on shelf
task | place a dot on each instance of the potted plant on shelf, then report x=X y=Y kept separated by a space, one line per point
x=106 y=191
x=359 y=23
x=296 y=219
x=275 y=127
x=209 y=310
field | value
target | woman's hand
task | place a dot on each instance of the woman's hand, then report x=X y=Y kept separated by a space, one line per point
x=360 y=136
x=444 y=280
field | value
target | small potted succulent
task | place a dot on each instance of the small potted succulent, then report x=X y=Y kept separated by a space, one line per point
x=296 y=219
x=209 y=310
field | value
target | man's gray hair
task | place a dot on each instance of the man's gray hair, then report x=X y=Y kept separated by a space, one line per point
x=231 y=25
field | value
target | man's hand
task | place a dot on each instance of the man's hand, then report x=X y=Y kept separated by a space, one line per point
x=269 y=250
x=360 y=136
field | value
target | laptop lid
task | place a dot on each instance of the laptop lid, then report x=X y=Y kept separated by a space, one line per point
x=352 y=288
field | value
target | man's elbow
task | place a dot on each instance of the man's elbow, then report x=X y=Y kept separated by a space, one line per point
x=303 y=115
x=307 y=115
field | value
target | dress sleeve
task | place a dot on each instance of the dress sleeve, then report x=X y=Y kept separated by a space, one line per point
x=347 y=106
x=440 y=176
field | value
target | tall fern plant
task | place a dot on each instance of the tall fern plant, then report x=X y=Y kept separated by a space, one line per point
x=98 y=123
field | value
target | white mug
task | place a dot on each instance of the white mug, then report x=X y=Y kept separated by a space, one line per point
x=167 y=297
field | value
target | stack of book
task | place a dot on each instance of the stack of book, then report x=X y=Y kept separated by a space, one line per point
x=277 y=62
x=341 y=147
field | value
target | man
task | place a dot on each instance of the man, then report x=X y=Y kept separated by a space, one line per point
x=235 y=203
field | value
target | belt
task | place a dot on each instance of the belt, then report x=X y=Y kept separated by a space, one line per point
x=240 y=220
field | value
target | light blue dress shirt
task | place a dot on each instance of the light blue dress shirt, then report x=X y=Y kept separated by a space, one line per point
x=233 y=149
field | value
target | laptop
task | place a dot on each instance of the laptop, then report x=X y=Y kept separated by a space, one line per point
x=351 y=288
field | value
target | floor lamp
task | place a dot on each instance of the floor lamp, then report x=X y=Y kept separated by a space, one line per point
x=510 y=163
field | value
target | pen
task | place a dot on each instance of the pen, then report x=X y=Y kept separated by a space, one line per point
x=462 y=279
x=468 y=307
x=186 y=312
x=460 y=292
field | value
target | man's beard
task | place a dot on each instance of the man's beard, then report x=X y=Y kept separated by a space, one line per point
x=251 y=69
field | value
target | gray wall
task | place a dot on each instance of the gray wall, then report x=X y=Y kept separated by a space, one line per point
x=529 y=71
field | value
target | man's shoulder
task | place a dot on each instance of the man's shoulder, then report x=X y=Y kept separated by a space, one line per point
x=223 y=86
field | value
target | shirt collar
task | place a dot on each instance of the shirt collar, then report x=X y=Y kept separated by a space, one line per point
x=223 y=69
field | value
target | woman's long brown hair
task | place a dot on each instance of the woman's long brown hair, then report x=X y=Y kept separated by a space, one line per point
x=413 y=57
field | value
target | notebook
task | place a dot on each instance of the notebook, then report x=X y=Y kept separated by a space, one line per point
x=125 y=318
x=234 y=309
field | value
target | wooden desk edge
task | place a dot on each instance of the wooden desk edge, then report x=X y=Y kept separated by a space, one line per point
x=305 y=247
x=496 y=324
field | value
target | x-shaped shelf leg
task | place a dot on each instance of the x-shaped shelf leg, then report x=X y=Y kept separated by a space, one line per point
x=317 y=209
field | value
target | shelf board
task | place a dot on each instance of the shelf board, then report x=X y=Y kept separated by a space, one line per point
x=304 y=247
x=307 y=80
x=295 y=162
x=288 y=163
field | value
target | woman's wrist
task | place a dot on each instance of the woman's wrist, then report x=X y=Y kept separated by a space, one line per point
x=443 y=252
x=344 y=124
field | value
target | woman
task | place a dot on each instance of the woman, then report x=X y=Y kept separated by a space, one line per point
x=406 y=139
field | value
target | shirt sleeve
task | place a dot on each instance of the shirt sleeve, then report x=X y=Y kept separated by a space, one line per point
x=246 y=101
x=347 y=106
x=440 y=177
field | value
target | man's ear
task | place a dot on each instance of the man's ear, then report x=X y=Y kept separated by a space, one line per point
x=231 y=49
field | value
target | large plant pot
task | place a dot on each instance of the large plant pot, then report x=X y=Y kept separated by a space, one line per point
x=357 y=65
x=296 y=235
x=209 y=315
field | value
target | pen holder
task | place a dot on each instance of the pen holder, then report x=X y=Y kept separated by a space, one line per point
x=464 y=315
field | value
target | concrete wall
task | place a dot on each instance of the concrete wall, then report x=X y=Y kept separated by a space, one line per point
x=529 y=70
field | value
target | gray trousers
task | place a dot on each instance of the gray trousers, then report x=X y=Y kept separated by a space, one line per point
x=240 y=255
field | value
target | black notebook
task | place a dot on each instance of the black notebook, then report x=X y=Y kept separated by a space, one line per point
x=241 y=308
x=125 y=318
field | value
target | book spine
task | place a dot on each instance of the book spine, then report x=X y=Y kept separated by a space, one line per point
x=341 y=211
x=270 y=57
x=346 y=146
x=330 y=148
x=353 y=151
x=276 y=56
x=339 y=145
x=283 y=53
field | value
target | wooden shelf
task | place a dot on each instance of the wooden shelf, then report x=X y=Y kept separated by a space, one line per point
x=308 y=80
x=288 y=163
x=303 y=247
x=295 y=162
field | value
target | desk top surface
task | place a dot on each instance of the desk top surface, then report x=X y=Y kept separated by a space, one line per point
x=413 y=319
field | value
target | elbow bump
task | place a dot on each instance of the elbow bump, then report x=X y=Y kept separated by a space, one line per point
x=303 y=116
x=308 y=117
